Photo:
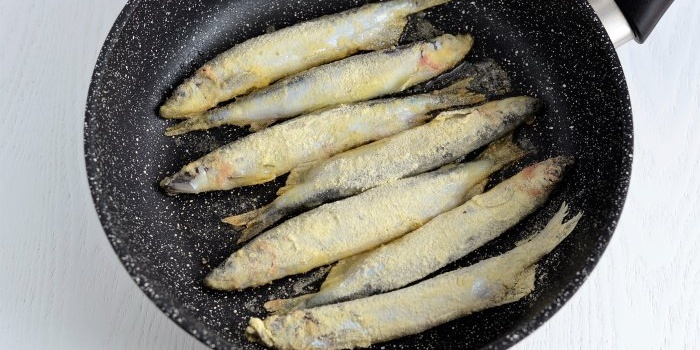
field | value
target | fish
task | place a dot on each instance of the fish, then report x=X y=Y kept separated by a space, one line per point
x=493 y=282
x=347 y=227
x=445 y=239
x=357 y=78
x=259 y=61
x=451 y=135
x=267 y=154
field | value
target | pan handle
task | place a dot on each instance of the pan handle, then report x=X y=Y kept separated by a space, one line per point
x=625 y=20
x=643 y=15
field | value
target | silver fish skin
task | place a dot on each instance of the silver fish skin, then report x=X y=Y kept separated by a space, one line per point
x=359 y=323
x=347 y=227
x=259 y=61
x=447 y=237
x=357 y=78
x=451 y=135
x=274 y=151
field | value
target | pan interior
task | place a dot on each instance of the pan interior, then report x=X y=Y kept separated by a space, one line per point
x=554 y=50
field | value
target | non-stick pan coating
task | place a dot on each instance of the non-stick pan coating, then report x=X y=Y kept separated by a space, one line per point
x=555 y=50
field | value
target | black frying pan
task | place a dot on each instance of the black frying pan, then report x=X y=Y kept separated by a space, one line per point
x=556 y=50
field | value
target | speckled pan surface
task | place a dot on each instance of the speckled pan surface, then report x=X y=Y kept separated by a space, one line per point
x=556 y=50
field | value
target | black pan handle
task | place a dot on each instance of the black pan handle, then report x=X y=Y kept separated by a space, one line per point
x=643 y=15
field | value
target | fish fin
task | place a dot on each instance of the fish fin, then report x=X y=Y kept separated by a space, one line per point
x=476 y=190
x=249 y=233
x=257 y=179
x=504 y=151
x=461 y=86
x=338 y=272
x=240 y=79
x=260 y=223
x=458 y=94
x=257 y=332
x=296 y=176
x=555 y=231
x=263 y=178
x=542 y=243
x=524 y=285
x=184 y=127
x=208 y=120
x=282 y=306
x=485 y=77
x=258 y=126
x=284 y=189
x=240 y=221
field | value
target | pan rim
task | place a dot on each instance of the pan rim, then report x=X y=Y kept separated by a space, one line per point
x=162 y=298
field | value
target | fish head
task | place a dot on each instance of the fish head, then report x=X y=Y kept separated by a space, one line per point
x=510 y=111
x=541 y=178
x=215 y=173
x=444 y=52
x=192 y=97
x=190 y=180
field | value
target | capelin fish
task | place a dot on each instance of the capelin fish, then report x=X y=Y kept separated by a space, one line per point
x=359 y=323
x=449 y=136
x=447 y=237
x=274 y=151
x=262 y=60
x=347 y=227
x=354 y=79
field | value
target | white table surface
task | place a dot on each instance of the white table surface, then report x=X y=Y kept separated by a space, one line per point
x=62 y=287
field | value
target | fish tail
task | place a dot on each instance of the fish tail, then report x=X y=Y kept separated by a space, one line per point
x=259 y=126
x=296 y=176
x=490 y=79
x=459 y=94
x=201 y=122
x=208 y=120
x=256 y=227
x=257 y=332
x=556 y=230
x=255 y=221
x=503 y=152
x=281 y=306
x=485 y=77
x=420 y=5
x=477 y=189
x=461 y=86
x=245 y=218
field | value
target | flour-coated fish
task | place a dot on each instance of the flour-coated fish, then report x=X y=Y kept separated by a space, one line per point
x=259 y=61
x=442 y=240
x=347 y=227
x=359 y=323
x=274 y=151
x=448 y=137
x=357 y=78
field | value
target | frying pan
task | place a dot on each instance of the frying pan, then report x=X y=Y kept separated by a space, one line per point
x=555 y=50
